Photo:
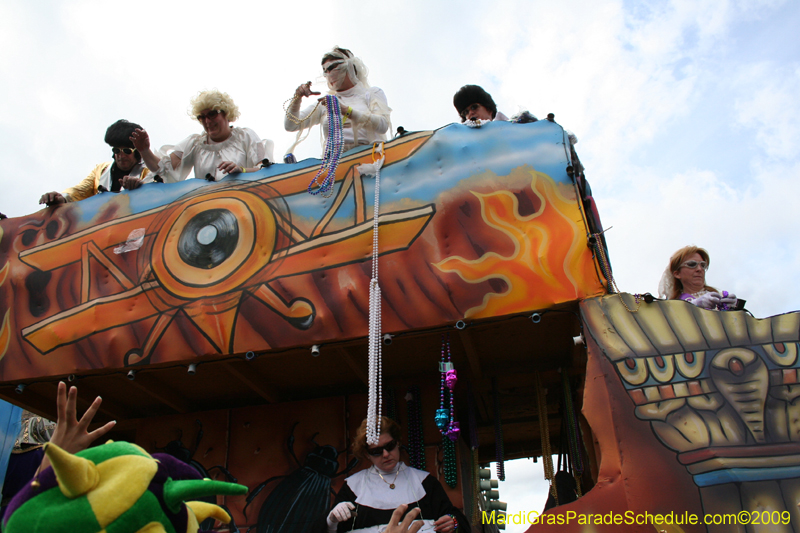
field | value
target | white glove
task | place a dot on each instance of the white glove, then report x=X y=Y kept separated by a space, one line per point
x=730 y=299
x=707 y=301
x=340 y=513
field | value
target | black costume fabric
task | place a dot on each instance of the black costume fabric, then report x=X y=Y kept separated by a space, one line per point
x=116 y=177
x=433 y=505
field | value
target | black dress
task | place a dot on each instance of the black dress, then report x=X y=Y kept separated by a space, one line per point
x=433 y=505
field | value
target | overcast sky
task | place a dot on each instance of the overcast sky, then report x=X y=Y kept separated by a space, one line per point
x=686 y=111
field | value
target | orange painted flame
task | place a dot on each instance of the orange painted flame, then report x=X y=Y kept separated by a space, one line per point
x=551 y=262
x=3 y=274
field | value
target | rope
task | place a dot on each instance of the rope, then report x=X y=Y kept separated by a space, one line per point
x=499 y=452
x=573 y=431
x=605 y=266
x=544 y=432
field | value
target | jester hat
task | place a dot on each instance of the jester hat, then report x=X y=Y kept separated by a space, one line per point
x=115 y=488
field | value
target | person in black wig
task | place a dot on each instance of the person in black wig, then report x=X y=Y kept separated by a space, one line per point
x=126 y=171
x=474 y=103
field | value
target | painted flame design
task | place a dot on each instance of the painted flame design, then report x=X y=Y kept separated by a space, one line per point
x=550 y=263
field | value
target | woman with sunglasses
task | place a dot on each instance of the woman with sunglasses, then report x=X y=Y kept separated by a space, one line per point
x=366 y=501
x=125 y=171
x=685 y=279
x=221 y=150
x=364 y=109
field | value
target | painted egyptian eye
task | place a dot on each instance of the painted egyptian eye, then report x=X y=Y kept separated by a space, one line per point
x=633 y=371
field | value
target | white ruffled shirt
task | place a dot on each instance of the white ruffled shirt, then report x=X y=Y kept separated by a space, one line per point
x=243 y=147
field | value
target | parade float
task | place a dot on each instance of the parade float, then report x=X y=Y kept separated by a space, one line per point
x=228 y=324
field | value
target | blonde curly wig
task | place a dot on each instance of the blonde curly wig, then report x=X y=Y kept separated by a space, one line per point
x=214 y=99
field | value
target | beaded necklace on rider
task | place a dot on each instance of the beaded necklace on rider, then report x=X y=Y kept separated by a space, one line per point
x=333 y=150
x=416 y=444
x=297 y=120
x=375 y=340
x=446 y=419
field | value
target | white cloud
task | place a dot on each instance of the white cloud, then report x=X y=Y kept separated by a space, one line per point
x=769 y=105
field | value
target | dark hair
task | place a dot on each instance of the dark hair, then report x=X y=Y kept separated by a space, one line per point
x=360 y=443
x=330 y=57
x=473 y=94
x=118 y=135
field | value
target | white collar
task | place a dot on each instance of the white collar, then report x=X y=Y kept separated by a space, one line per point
x=374 y=492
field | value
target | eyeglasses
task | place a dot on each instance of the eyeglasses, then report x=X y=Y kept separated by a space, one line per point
x=126 y=151
x=208 y=116
x=378 y=450
x=333 y=66
x=695 y=264
x=471 y=107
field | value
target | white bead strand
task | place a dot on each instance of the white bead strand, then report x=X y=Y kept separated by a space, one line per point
x=375 y=402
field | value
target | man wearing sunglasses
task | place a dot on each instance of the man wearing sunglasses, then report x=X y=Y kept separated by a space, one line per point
x=473 y=103
x=126 y=171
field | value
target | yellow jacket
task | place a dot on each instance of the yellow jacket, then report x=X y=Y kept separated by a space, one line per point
x=88 y=186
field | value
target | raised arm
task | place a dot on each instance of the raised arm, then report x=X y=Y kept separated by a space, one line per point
x=73 y=435
x=141 y=141
x=292 y=123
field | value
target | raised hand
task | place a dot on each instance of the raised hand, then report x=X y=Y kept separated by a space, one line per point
x=140 y=140
x=52 y=198
x=305 y=90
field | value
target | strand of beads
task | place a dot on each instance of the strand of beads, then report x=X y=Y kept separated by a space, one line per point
x=445 y=418
x=450 y=379
x=333 y=150
x=297 y=120
x=375 y=340
x=450 y=468
x=416 y=443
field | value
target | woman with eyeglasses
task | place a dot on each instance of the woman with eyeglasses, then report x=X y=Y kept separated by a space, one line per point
x=125 y=171
x=685 y=279
x=220 y=150
x=366 y=501
x=364 y=109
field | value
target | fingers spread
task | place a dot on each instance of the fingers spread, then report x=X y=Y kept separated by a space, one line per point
x=99 y=432
x=61 y=401
x=72 y=400
x=87 y=417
